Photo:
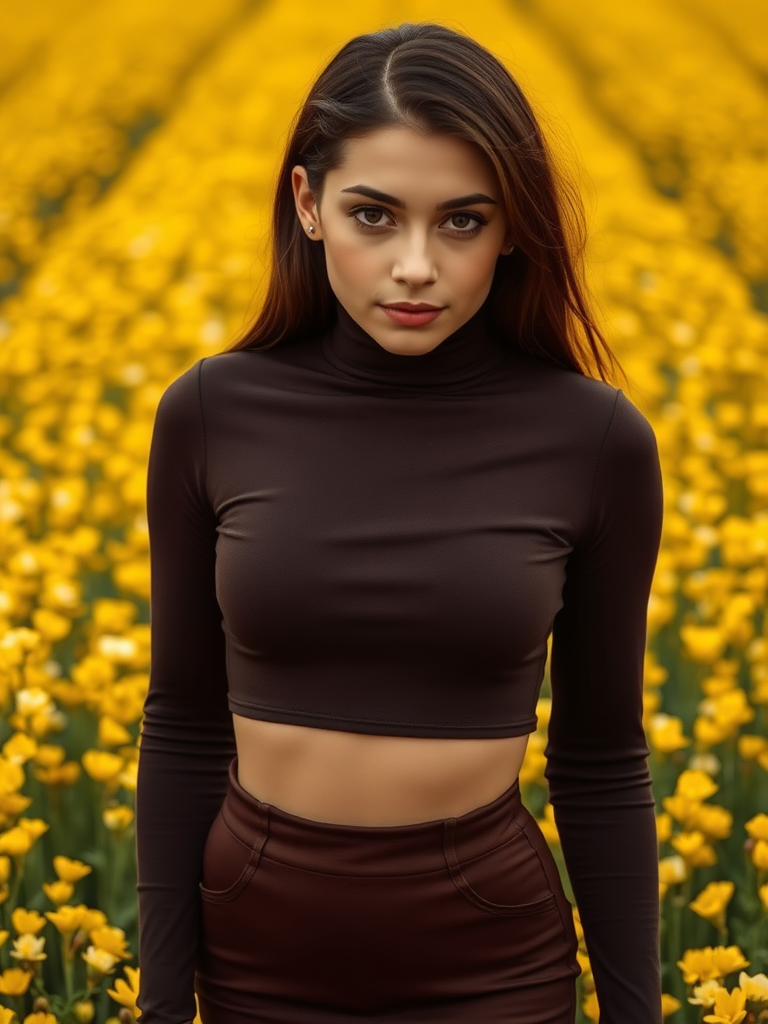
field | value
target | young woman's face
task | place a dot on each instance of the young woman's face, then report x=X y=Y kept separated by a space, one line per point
x=399 y=246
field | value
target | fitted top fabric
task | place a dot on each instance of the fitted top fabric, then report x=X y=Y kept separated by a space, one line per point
x=347 y=538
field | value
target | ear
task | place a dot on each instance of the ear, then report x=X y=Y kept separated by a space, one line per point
x=306 y=206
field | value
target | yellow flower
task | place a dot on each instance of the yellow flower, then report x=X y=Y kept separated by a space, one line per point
x=16 y=842
x=14 y=981
x=99 y=960
x=703 y=643
x=19 y=748
x=714 y=821
x=84 y=1011
x=5 y=869
x=48 y=755
x=754 y=988
x=733 y=709
x=101 y=765
x=7 y=1016
x=51 y=624
x=34 y=826
x=669 y=1005
x=11 y=776
x=41 y=1017
x=110 y=939
x=726 y=959
x=92 y=918
x=12 y=804
x=694 y=848
x=70 y=870
x=758 y=826
x=59 y=775
x=29 y=947
x=128 y=777
x=712 y=902
x=762 y=892
x=3 y=937
x=705 y=762
x=32 y=701
x=681 y=809
x=750 y=746
x=760 y=855
x=709 y=733
x=117 y=818
x=112 y=733
x=729 y=1008
x=58 y=892
x=695 y=785
x=707 y=963
x=672 y=870
x=665 y=733
x=704 y=994
x=126 y=993
x=27 y=920
x=66 y=919
x=663 y=827
x=590 y=1007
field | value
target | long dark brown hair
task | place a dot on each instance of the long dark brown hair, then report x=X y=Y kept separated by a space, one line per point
x=434 y=80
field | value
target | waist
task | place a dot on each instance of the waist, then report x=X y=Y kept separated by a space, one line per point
x=362 y=779
x=364 y=849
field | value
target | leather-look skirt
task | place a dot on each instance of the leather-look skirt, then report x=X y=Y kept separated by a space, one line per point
x=310 y=922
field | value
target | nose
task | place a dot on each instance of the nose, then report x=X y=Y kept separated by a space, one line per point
x=414 y=263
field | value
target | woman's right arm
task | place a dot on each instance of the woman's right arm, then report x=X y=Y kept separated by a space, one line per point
x=187 y=739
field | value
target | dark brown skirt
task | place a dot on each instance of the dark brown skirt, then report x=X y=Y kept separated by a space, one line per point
x=453 y=920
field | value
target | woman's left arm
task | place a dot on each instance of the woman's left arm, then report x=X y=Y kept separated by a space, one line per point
x=597 y=771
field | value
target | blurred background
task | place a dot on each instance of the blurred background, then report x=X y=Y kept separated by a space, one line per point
x=139 y=142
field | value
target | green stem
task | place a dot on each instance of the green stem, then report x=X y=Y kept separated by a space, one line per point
x=18 y=874
x=66 y=960
x=674 y=951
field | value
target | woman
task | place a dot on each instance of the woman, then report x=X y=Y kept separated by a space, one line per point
x=365 y=522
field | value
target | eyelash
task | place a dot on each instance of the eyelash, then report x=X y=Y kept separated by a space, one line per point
x=479 y=221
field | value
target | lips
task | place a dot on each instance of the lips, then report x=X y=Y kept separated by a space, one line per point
x=409 y=307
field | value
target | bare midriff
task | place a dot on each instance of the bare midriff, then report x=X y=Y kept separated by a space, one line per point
x=360 y=779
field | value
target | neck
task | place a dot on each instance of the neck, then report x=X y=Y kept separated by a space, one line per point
x=467 y=354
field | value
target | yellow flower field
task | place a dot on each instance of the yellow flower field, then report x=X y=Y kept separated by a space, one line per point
x=138 y=147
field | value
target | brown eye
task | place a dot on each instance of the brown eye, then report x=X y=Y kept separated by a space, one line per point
x=366 y=211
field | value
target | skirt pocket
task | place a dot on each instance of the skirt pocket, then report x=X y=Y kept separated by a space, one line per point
x=508 y=880
x=229 y=863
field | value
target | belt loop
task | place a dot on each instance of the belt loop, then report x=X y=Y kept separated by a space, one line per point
x=449 y=849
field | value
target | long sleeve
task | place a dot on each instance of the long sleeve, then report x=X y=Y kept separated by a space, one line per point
x=187 y=738
x=599 y=782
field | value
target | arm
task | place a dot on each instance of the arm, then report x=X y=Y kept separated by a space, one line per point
x=599 y=782
x=187 y=738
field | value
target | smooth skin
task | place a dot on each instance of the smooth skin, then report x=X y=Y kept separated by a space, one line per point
x=378 y=253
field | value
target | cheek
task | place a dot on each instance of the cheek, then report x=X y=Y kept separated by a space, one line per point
x=350 y=260
x=472 y=274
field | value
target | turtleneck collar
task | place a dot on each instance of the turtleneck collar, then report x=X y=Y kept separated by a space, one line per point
x=467 y=354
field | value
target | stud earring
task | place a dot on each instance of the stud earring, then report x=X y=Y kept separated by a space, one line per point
x=311 y=229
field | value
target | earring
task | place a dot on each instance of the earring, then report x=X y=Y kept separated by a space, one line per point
x=509 y=250
x=311 y=229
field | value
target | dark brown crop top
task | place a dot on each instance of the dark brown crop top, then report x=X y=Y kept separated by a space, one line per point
x=347 y=538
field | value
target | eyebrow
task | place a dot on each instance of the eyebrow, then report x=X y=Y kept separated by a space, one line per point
x=449 y=204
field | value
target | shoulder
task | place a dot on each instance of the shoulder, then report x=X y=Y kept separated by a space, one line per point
x=619 y=423
x=630 y=437
x=185 y=394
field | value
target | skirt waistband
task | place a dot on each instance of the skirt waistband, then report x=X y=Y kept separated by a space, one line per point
x=370 y=849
